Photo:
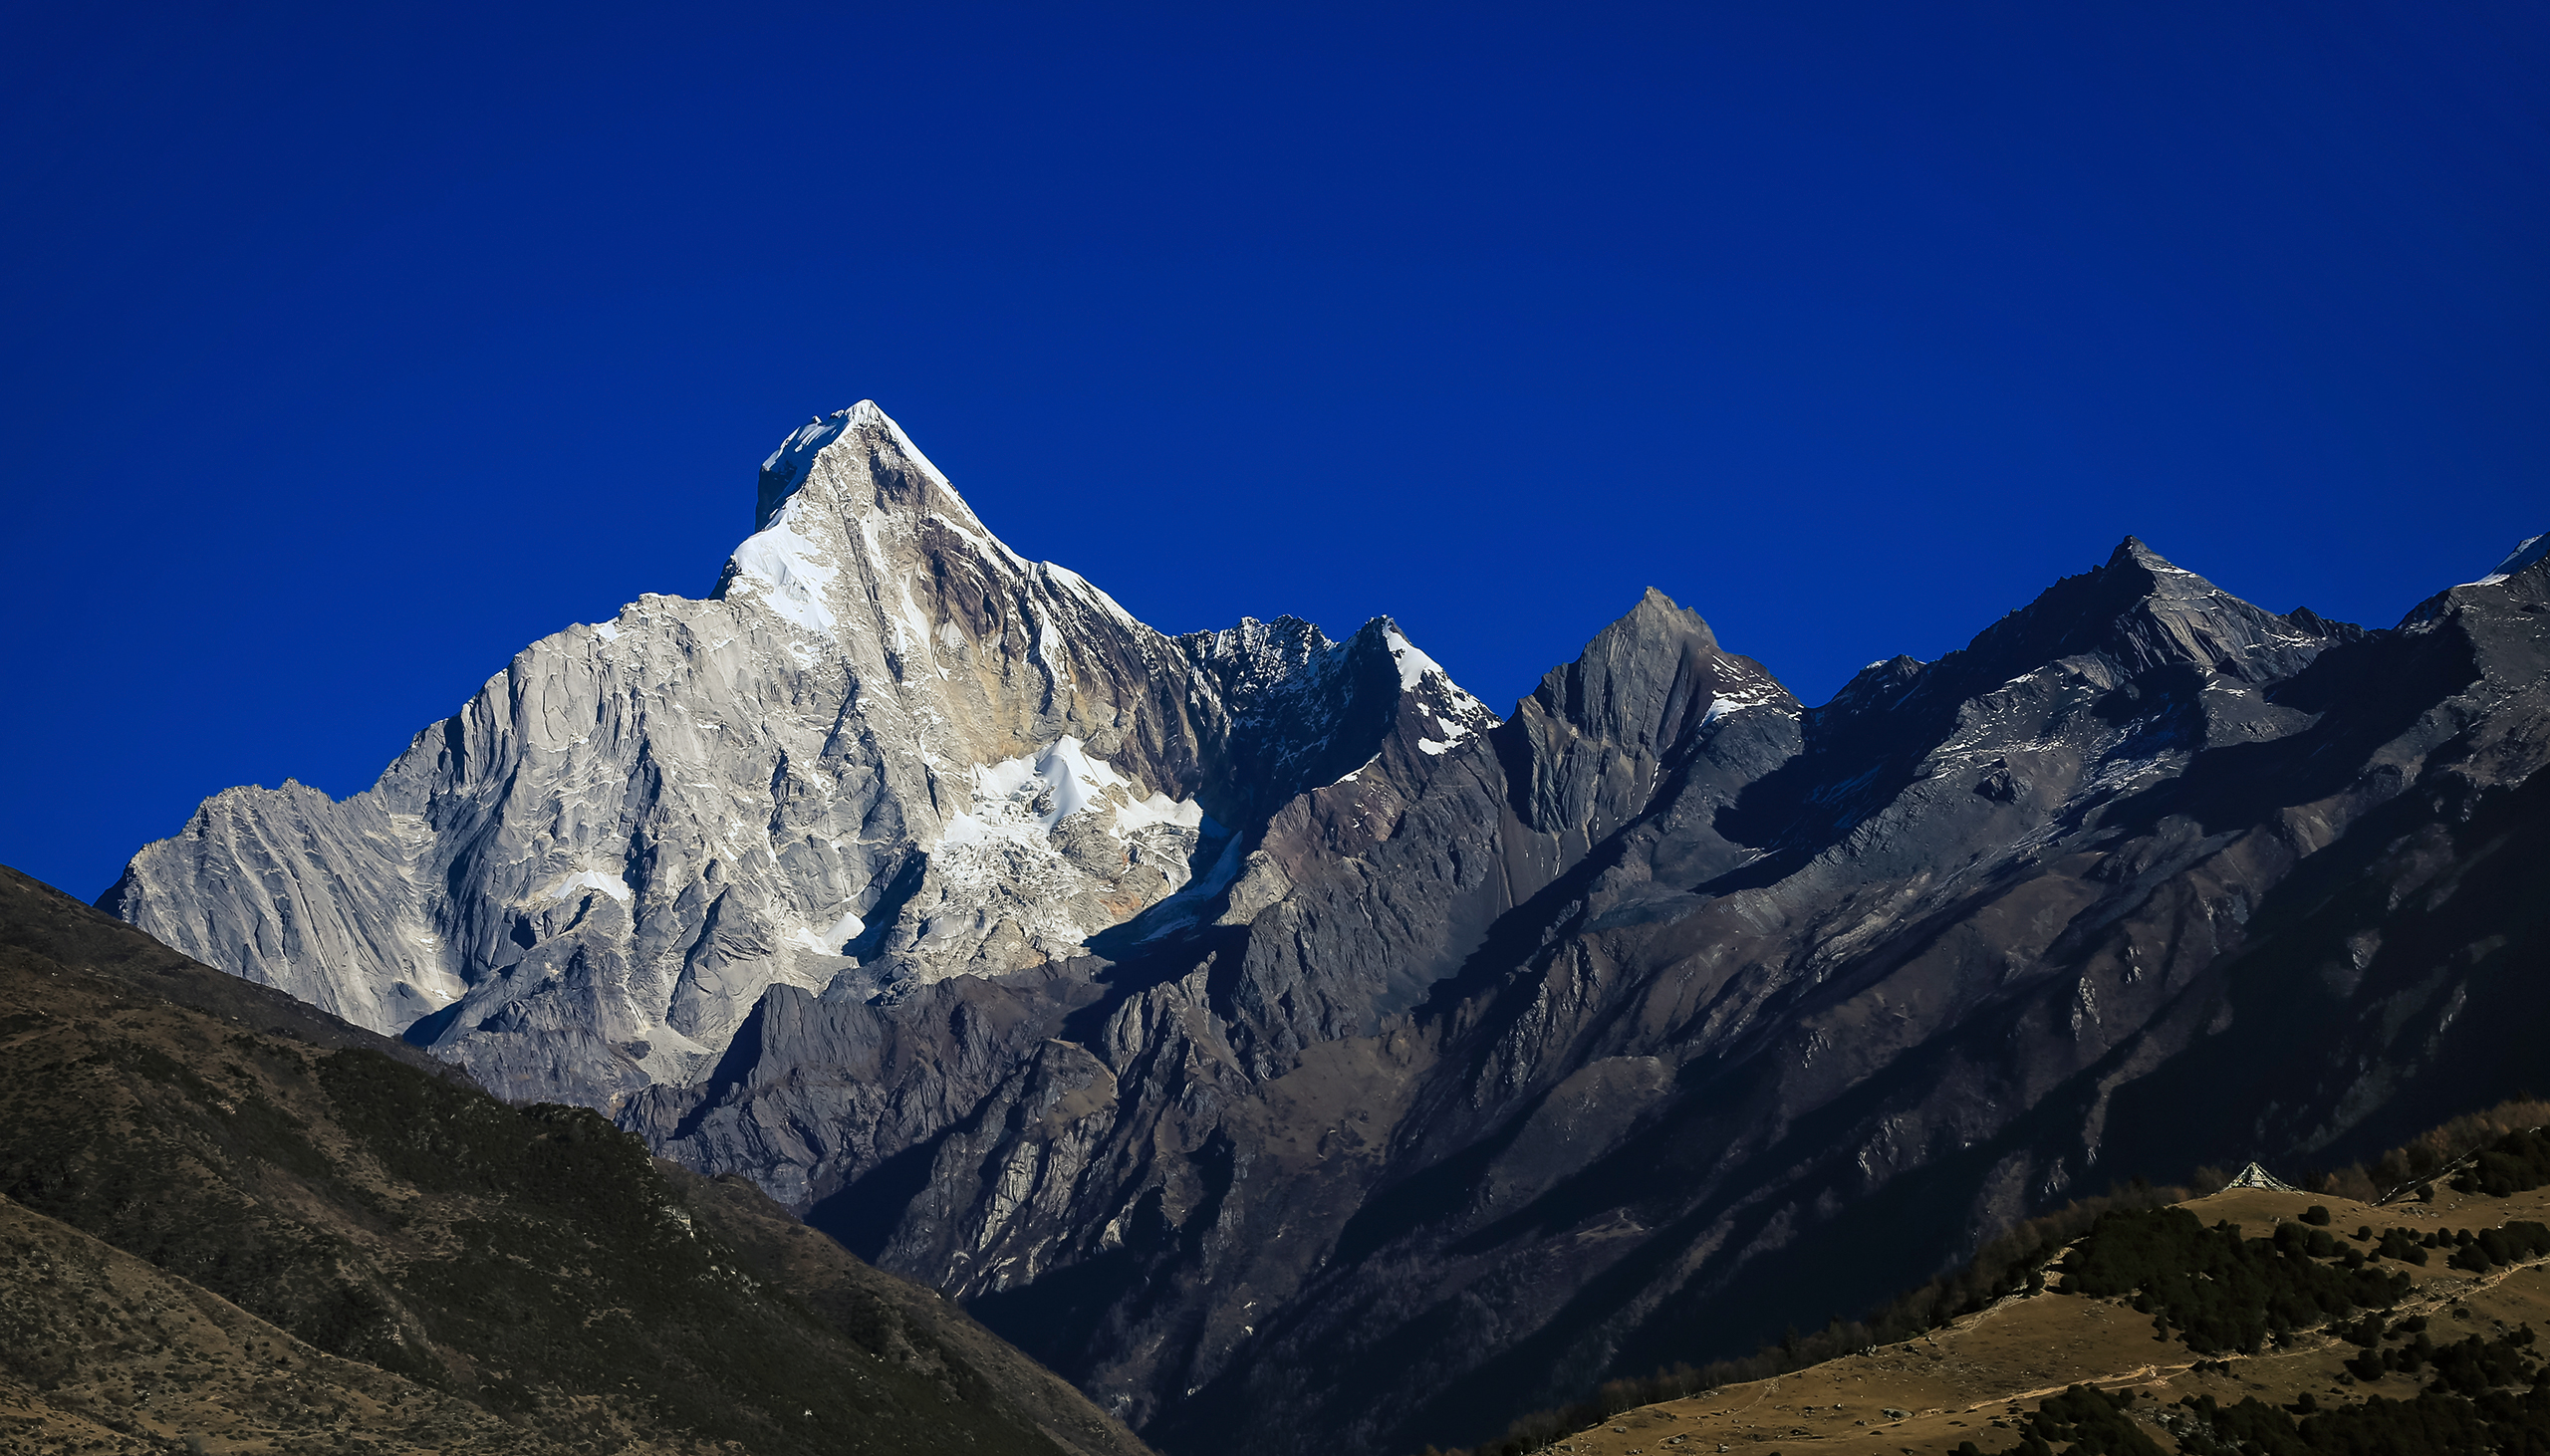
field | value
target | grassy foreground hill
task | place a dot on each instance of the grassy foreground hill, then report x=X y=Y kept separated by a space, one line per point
x=231 y=1222
x=2249 y=1321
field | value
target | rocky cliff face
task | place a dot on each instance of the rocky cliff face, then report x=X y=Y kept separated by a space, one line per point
x=886 y=751
x=1260 y=1031
x=1680 y=1013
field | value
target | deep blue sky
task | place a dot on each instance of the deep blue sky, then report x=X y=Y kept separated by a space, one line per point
x=349 y=349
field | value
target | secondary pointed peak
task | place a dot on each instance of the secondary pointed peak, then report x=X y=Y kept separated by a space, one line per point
x=1381 y=639
x=2525 y=555
x=1881 y=684
x=2139 y=613
x=2133 y=551
x=1655 y=615
x=1653 y=675
x=1656 y=627
x=2147 y=573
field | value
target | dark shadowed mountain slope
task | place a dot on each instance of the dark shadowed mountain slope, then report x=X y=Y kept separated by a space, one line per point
x=230 y=1216
x=1256 y=1029
x=1674 y=1013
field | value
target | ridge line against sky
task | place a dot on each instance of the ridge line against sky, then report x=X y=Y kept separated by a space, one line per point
x=358 y=350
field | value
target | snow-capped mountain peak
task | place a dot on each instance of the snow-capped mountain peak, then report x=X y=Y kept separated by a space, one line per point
x=884 y=750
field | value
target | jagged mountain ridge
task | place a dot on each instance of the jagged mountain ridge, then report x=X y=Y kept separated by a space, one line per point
x=884 y=750
x=1731 y=1012
x=1483 y=1057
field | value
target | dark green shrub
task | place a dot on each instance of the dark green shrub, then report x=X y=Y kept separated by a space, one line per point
x=2474 y=1366
x=2515 y=1163
x=2222 y=1291
x=2469 y=1407
x=2082 y=1421
x=2493 y=1247
x=2401 y=1245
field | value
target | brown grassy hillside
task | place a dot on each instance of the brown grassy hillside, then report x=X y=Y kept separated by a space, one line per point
x=231 y=1222
x=2424 y=1341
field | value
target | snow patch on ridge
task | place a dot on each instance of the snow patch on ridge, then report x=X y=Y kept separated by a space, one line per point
x=1038 y=793
x=2525 y=554
x=1414 y=670
x=796 y=454
x=1041 y=650
x=1010 y=856
x=789 y=573
x=830 y=941
x=1736 y=703
x=1143 y=814
x=591 y=879
x=1452 y=733
x=1412 y=664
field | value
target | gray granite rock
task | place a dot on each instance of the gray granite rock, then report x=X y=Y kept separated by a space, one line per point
x=888 y=750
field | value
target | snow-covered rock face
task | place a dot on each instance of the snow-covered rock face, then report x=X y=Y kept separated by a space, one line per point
x=888 y=750
x=2525 y=554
